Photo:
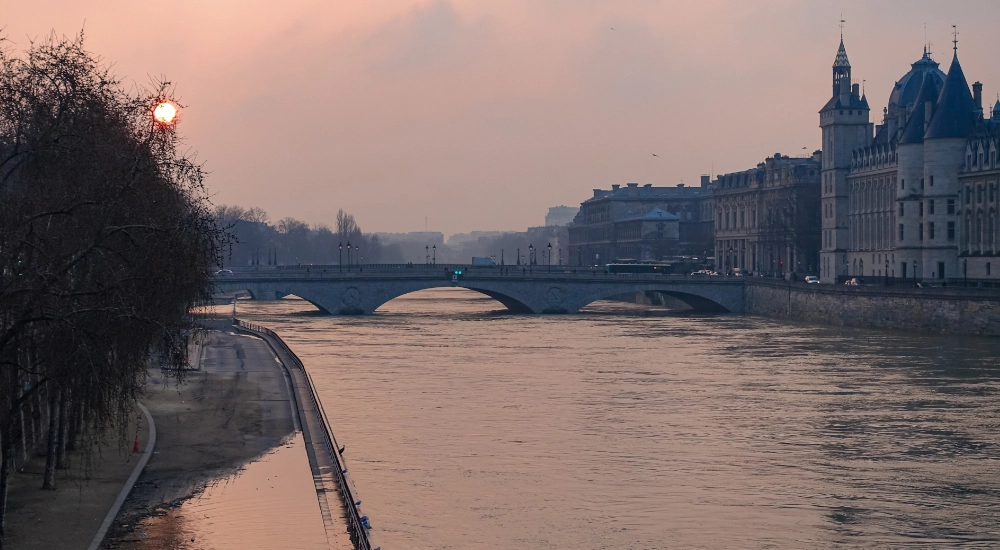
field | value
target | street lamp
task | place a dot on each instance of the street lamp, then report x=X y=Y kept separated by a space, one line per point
x=531 y=256
x=434 y=252
x=427 y=255
x=501 y=256
x=348 y=255
x=340 y=256
x=729 y=260
x=550 y=257
x=887 y=272
x=518 y=255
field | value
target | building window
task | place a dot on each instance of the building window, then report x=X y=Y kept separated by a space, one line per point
x=951 y=206
x=979 y=193
x=930 y=231
x=901 y=210
x=921 y=183
x=902 y=184
x=951 y=231
x=930 y=207
x=920 y=209
x=987 y=268
x=901 y=232
x=968 y=195
x=932 y=181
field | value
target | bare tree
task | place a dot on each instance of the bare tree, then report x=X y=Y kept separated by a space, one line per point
x=106 y=241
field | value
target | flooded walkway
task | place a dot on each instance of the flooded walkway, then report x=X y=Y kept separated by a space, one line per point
x=230 y=468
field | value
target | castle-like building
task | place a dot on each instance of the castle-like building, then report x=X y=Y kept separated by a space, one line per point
x=915 y=196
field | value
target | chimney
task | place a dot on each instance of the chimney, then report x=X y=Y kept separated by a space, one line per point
x=597 y=192
x=615 y=187
x=680 y=185
x=977 y=95
x=632 y=184
x=705 y=180
x=856 y=90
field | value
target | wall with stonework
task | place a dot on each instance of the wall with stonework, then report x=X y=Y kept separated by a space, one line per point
x=948 y=310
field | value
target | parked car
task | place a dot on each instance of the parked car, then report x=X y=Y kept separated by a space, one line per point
x=812 y=279
x=224 y=273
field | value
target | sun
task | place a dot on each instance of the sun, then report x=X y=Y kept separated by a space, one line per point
x=165 y=112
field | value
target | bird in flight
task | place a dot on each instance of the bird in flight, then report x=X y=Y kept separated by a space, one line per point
x=655 y=155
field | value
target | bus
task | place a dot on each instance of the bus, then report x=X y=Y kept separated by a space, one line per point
x=638 y=268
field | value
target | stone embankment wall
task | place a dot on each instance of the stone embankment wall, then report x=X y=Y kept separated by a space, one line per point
x=949 y=310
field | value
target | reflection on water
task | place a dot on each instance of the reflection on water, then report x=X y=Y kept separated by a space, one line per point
x=271 y=503
x=467 y=428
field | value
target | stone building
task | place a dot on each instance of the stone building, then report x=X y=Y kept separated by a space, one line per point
x=560 y=215
x=891 y=192
x=979 y=197
x=641 y=223
x=765 y=217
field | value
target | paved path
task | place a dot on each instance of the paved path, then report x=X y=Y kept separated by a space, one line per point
x=69 y=517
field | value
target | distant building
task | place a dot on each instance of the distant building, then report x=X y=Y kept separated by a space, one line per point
x=765 y=217
x=641 y=223
x=422 y=238
x=915 y=196
x=560 y=215
x=473 y=236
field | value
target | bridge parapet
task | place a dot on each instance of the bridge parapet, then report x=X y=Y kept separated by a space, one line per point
x=521 y=289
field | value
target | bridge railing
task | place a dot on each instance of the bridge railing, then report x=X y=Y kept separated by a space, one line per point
x=408 y=271
x=356 y=526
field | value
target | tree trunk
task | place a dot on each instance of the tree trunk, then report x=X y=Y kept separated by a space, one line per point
x=63 y=431
x=75 y=421
x=6 y=465
x=49 y=481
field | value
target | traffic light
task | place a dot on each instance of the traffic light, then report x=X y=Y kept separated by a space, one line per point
x=455 y=275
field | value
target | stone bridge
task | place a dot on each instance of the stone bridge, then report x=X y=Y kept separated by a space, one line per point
x=539 y=289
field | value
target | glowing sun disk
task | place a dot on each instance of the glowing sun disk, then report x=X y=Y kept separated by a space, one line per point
x=164 y=113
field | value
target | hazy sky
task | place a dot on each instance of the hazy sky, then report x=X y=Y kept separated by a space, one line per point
x=481 y=115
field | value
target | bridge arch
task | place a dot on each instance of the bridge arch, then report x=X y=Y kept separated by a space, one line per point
x=701 y=297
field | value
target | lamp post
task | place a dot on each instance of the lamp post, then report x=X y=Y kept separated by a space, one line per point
x=550 y=257
x=357 y=255
x=887 y=272
x=518 y=258
x=531 y=257
x=501 y=256
x=340 y=256
x=729 y=261
x=348 y=255
x=427 y=255
x=434 y=254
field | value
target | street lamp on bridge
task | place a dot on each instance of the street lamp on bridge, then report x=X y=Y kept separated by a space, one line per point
x=427 y=255
x=340 y=256
x=434 y=256
x=348 y=255
x=531 y=257
x=550 y=257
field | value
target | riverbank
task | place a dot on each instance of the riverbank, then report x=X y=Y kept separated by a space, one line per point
x=934 y=310
x=233 y=406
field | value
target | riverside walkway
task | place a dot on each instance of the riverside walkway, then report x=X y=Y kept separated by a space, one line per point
x=338 y=504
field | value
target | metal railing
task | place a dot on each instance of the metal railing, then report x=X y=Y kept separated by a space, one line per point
x=357 y=523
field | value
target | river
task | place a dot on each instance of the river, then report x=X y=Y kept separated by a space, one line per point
x=468 y=428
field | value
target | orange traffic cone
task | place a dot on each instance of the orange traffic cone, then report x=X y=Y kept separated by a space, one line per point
x=135 y=446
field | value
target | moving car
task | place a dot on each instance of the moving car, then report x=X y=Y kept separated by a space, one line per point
x=812 y=279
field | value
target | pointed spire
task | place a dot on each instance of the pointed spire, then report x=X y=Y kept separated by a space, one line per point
x=913 y=131
x=955 y=108
x=841 y=60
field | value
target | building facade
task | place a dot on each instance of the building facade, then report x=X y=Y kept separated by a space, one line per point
x=892 y=193
x=765 y=217
x=646 y=223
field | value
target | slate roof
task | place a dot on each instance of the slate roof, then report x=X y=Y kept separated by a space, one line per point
x=954 y=114
x=659 y=214
x=905 y=91
x=841 y=60
x=929 y=91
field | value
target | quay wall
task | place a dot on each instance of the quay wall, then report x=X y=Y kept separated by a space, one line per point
x=939 y=309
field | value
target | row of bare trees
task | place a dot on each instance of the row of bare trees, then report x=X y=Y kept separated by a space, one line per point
x=291 y=241
x=106 y=241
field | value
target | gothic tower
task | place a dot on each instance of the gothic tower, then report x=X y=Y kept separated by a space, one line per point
x=844 y=121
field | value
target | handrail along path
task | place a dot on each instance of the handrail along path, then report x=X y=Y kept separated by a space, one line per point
x=322 y=448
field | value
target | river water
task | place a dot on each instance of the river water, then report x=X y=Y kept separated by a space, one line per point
x=467 y=428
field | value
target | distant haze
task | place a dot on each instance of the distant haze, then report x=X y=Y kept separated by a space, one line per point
x=481 y=115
